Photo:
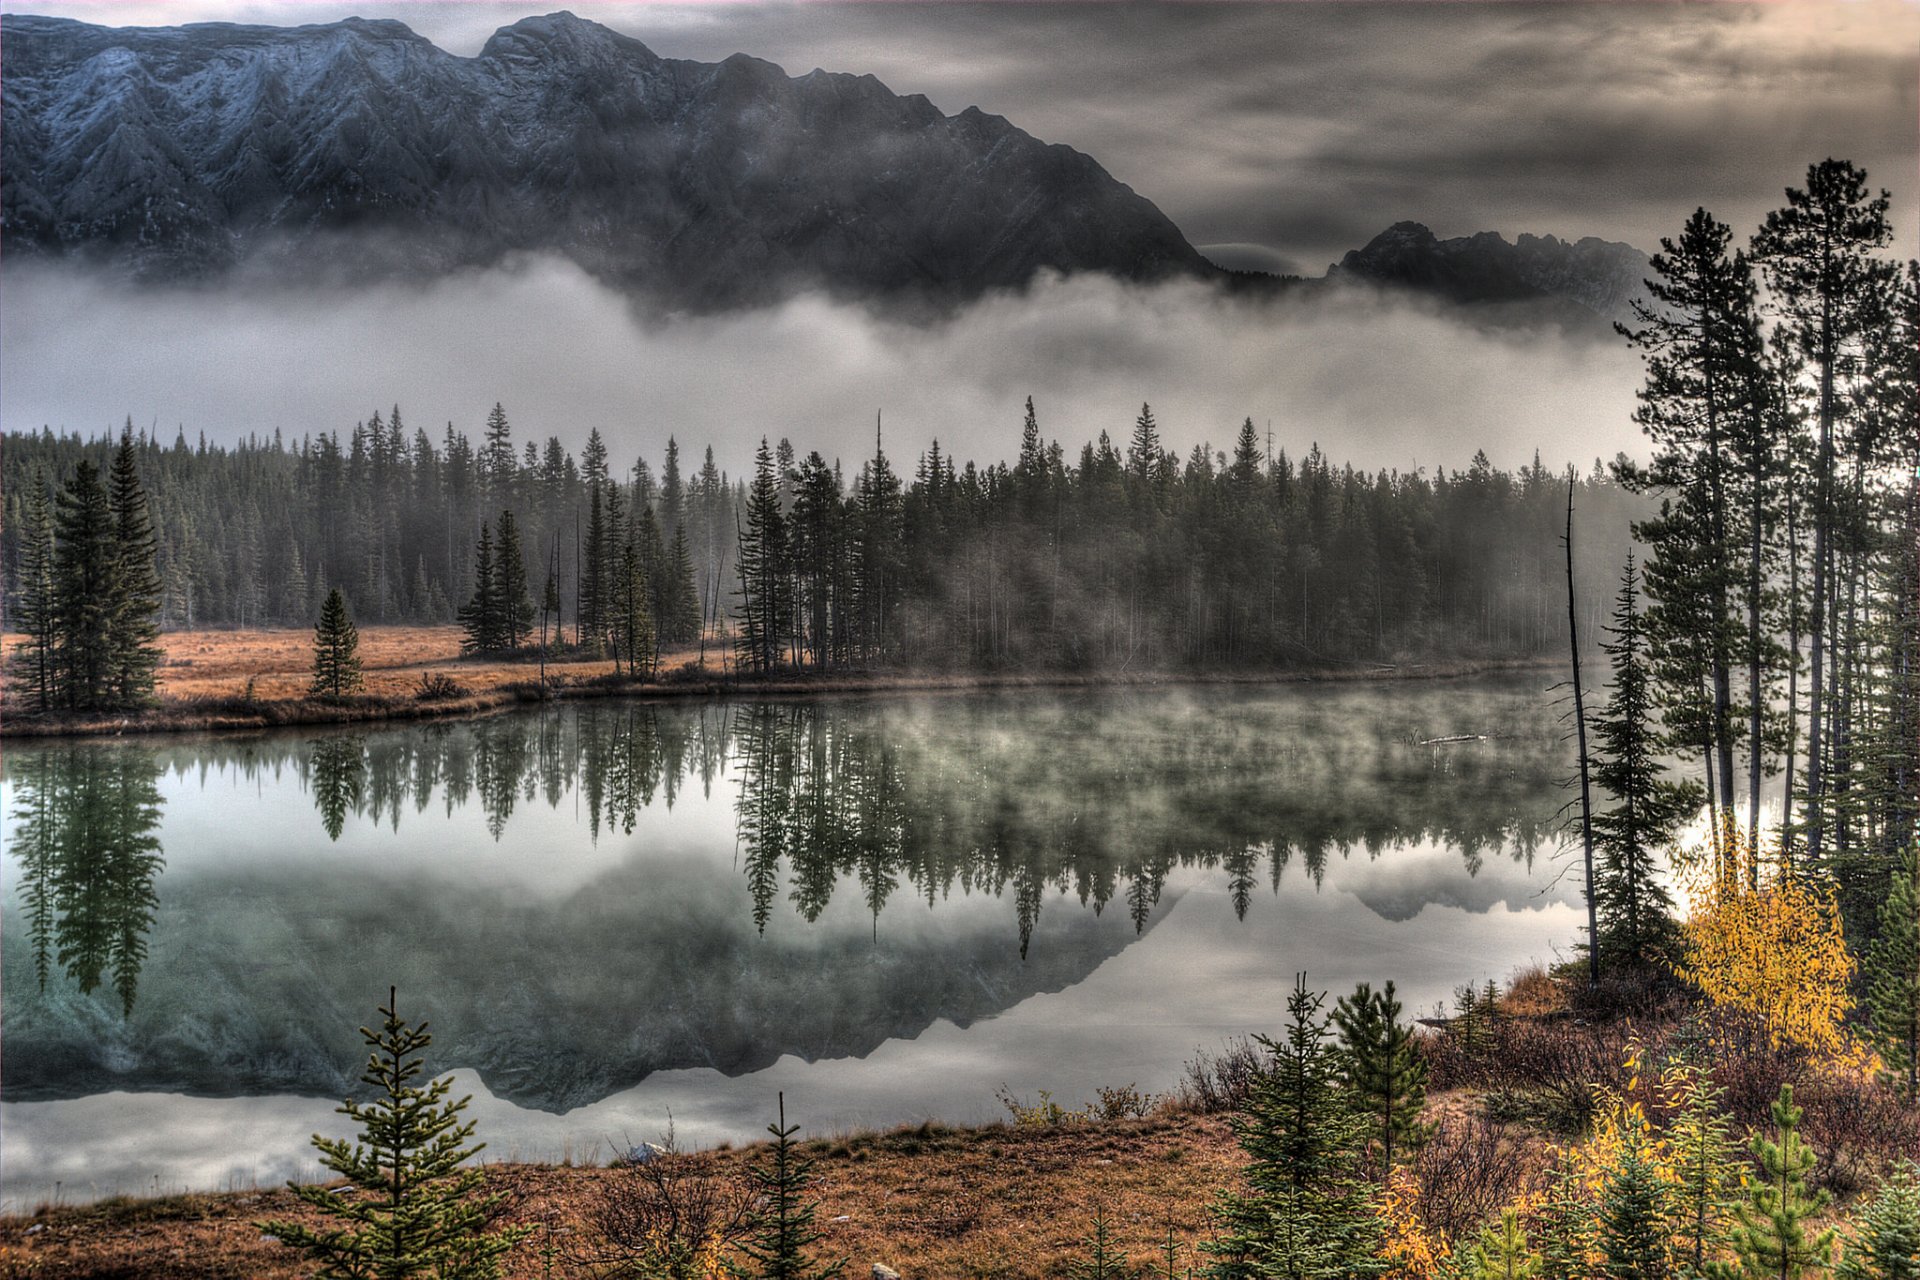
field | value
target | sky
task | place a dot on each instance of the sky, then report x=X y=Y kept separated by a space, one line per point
x=1293 y=131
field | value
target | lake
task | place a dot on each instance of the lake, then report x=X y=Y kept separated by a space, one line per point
x=616 y=914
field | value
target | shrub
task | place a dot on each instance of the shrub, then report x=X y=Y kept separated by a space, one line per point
x=437 y=686
x=664 y=1213
x=1220 y=1082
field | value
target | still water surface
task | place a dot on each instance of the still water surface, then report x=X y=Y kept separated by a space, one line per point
x=888 y=907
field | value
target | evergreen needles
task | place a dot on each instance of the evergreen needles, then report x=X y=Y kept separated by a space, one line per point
x=408 y=1208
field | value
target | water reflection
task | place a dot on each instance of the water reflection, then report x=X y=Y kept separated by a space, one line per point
x=84 y=838
x=987 y=795
x=586 y=895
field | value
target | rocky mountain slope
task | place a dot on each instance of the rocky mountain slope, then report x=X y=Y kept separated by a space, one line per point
x=1600 y=277
x=357 y=149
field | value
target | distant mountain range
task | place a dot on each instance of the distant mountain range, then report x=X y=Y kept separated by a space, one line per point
x=357 y=150
x=1600 y=277
x=183 y=150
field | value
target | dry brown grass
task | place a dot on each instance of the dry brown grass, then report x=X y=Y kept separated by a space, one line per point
x=932 y=1202
x=218 y=664
x=205 y=679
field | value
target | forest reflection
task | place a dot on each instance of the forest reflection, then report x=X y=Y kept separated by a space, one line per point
x=84 y=820
x=1099 y=797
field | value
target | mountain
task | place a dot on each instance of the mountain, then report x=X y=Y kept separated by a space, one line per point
x=357 y=149
x=1589 y=277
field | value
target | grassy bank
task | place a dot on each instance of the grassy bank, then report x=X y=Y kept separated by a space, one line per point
x=929 y=1201
x=1520 y=1088
x=257 y=679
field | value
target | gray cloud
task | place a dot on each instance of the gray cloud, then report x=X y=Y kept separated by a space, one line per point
x=1385 y=384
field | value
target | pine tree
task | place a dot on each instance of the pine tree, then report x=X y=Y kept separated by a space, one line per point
x=1697 y=333
x=1884 y=1242
x=1704 y=1175
x=38 y=615
x=762 y=570
x=1634 y=909
x=1384 y=1073
x=135 y=601
x=85 y=579
x=336 y=651
x=480 y=616
x=1635 y=1217
x=1503 y=1252
x=512 y=604
x=1302 y=1210
x=1566 y=1225
x=1103 y=1261
x=295 y=606
x=1817 y=254
x=1771 y=1238
x=409 y=1209
x=680 y=614
x=591 y=627
x=633 y=621
x=780 y=1231
x=1893 y=977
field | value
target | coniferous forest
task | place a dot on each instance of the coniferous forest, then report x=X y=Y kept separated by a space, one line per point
x=1121 y=555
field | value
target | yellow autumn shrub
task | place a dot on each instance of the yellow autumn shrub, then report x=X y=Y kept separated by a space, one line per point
x=1768 y=942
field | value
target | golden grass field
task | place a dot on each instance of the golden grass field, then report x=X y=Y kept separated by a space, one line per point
x=218 y=664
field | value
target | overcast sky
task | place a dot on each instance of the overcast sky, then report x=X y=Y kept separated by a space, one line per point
x=1300 y=129
x=1306 y=128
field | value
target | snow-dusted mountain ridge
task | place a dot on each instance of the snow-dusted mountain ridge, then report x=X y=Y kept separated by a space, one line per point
x=358 y=150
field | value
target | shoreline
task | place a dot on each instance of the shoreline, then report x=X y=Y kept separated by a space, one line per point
x=237 y=715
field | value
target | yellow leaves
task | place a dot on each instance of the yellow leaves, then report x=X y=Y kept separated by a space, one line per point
x=1771 y=946
x=1412 y=1249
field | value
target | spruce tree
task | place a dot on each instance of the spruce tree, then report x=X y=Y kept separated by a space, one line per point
x=1503 y=1252
x=1884 y=1240
x=1102 y=1260
x=1634 y=909
x=780 y=1230
x=86 y=589
x=294 y=608
x=633 y=621
x=480 y=616
x=680 y=616
x=38 y=613
x=134 y=632
x=1302 y=1209
x=1635 y=1220
x=1383 y=1072
x=762 y=569
x=512 y=604
x=1771 y=1238
x=336 y=651
x=1566 y=1225
x=591 y=627
x=1704 y=1175
x=1893 y=977
x=409 y=1208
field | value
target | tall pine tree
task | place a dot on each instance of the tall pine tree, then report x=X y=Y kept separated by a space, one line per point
x=336 y=651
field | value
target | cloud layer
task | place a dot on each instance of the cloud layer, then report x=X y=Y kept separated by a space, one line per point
x=1385 y=384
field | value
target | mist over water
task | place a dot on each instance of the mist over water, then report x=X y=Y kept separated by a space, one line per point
x=1382 y=382
x=888 y=907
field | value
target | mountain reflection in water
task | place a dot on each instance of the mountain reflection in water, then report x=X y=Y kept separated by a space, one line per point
x=584 y=895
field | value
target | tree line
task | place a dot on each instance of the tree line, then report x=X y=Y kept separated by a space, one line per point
x=1130 y=557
